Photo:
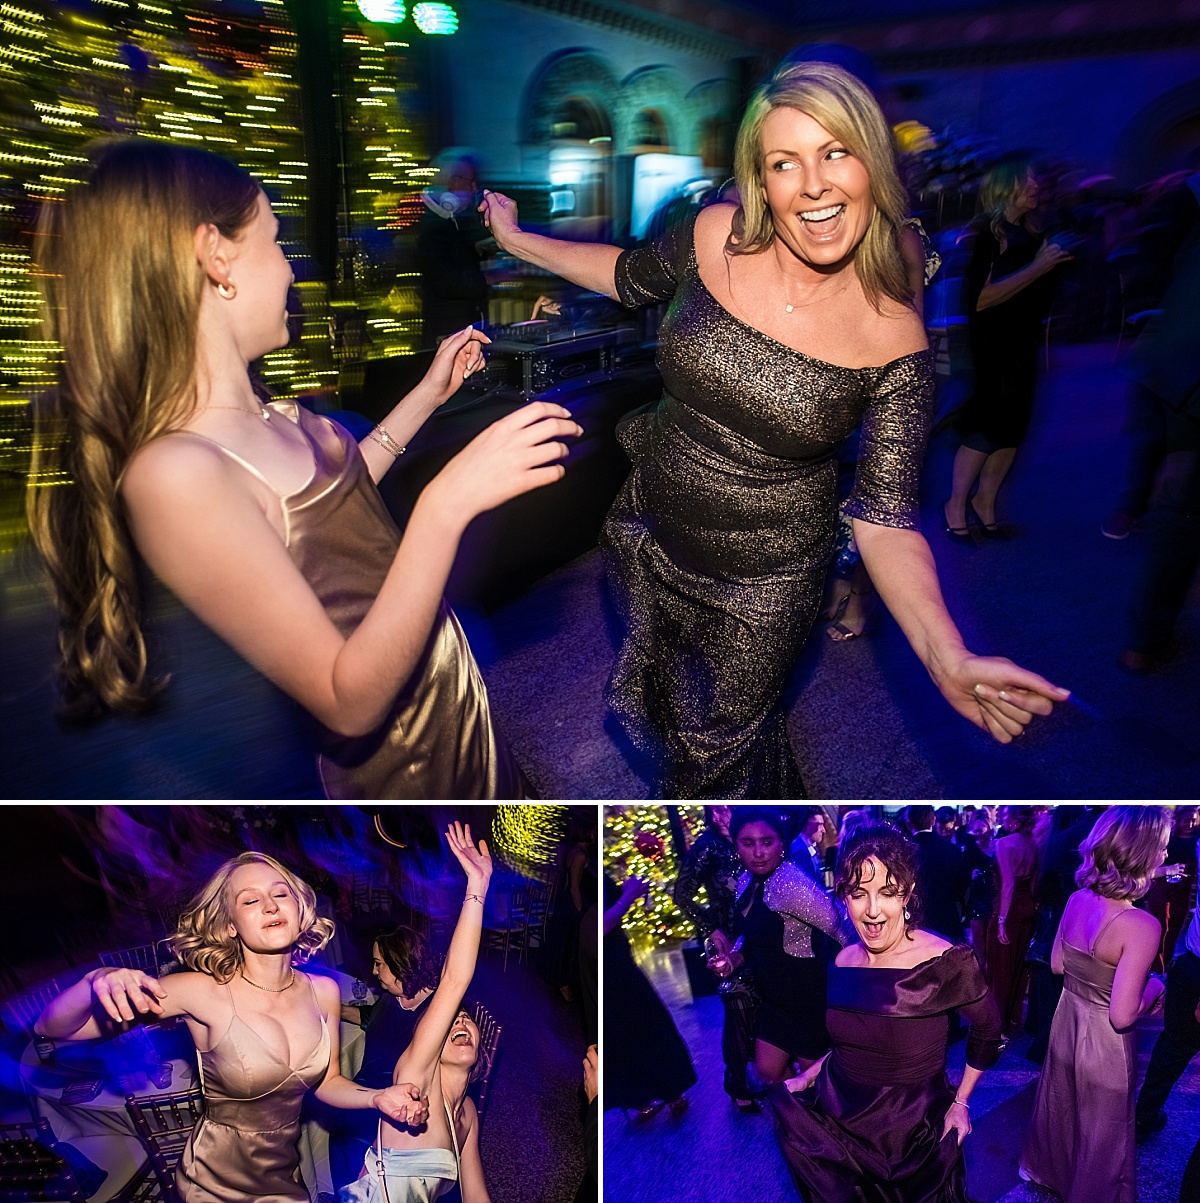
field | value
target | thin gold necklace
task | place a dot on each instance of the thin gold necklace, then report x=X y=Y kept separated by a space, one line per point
x=268 y=989
x=263 y=412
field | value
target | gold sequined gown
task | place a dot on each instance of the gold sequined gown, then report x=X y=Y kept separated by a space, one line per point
x=438 y=740
x=719 y=541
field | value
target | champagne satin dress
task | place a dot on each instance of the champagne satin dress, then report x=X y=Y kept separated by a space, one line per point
x=438 y=740
x=1080 y=1141
x=246 y=1146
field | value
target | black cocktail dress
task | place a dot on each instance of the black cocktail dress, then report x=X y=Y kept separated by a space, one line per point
x=872 y=1126
x=719 y=540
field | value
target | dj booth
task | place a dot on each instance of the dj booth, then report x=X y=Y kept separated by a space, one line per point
x=598 y=375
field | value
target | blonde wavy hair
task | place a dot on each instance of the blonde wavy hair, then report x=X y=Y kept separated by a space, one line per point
x=202 y=940
x=1121 y=853
x=843 y=104
x=122 y=290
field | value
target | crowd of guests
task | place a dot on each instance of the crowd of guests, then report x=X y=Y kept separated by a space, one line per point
x=851 y=951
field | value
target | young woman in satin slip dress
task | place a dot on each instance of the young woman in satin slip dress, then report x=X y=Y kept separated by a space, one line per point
x=265 y=1032
x=420 y=1163
x=165 y=281
x=790 y=323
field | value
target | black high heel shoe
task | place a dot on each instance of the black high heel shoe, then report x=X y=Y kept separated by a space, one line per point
x=992 y=530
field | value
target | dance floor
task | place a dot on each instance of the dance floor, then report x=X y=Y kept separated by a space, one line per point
x=715 y=1153
x=864 y=718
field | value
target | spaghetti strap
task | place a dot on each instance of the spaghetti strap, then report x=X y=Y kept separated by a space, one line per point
x=1104 y=927
x=233 y=455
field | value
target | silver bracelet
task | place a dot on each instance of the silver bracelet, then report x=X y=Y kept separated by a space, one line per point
x=962 y=1102
x=380 y=435
x=473 y=898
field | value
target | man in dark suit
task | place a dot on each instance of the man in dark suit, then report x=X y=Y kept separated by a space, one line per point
x=941 y=875
x=805 y=849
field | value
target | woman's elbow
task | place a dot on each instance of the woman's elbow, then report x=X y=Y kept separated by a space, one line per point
x=1121 y=1018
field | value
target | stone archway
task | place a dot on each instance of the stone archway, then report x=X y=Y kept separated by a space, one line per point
x=713 y=105
x=659 y=94
x=569 y=78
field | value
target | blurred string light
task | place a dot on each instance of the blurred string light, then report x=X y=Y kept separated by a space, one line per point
x=382 y=12
x=526 y=837
x=638 y=843
x=435 y=18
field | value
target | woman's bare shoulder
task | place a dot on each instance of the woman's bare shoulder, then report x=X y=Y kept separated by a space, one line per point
x=713 y=224
x=850 y=956
x=172 y=465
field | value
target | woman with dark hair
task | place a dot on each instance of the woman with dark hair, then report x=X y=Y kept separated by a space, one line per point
x=408 y=971
x=1008 y=298
x=165 y=283
x=712 y=865
x=871 y=1119
x=778 y=911
x=1080 y=1140
x=409 y=1164
x=1014 y=915
x=266 y=1034
x=574 y=893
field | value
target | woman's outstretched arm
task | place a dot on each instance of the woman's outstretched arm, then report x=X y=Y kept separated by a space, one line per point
x=422 y=1054
x=589 y=264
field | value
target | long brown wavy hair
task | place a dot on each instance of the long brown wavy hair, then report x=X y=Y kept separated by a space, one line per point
x=843 y=104
x=122 y=290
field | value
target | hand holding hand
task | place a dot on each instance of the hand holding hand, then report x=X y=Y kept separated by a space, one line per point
x=997 y=695
x=518 y=453
x=458 y=356
x=404 y=1104
x=125 y=994
x=591 y=1072
x=958 y=1119
x=476 y=861
x=500 y=216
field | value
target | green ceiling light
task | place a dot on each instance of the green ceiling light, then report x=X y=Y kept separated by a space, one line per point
x=382 y=12
x=435 y=18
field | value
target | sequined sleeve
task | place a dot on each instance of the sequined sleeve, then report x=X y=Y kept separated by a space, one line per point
x=699 y=870
x=651 y=273
x=803 y=905
x=894 y=432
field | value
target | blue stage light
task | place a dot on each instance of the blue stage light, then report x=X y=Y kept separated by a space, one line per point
x=435 y=18
x=382 y=12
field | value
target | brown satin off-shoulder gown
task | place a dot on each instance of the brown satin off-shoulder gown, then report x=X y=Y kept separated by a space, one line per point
x=438 y=740
x=719 y=541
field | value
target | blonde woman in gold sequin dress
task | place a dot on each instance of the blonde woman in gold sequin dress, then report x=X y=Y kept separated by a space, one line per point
x=790 y=323
x=165 y=282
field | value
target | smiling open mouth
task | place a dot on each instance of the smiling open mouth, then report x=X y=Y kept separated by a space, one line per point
x=462 y=1036
x=874 y=930
x=823 y=221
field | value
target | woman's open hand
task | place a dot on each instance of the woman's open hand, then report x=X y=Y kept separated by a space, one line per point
x=518 y=453
x=1049 y=255
x=124 y=994
x=459 y=355
x=403 y=1103
x=476 y=861
x=500 y=216
x=958 y=1119
x=997 y=695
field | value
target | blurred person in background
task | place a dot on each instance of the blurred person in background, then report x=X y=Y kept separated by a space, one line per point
x=941 y=875
x=1007 y=292
x=1165 y=362
x=450 y=234
x=713 y=865
x=1013 y=919
x=983 y=887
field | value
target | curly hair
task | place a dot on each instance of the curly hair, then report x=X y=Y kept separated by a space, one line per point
x=894 y=850
x=1122 y=851
x=202 y=940
x=415 y=965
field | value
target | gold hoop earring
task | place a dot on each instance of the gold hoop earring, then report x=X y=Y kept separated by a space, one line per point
x=228 y=291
